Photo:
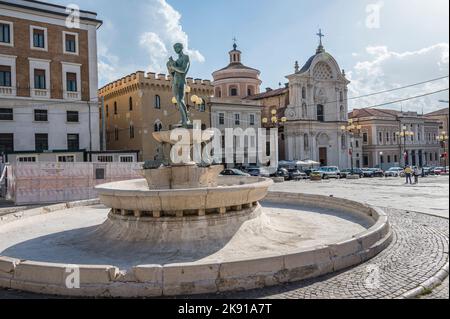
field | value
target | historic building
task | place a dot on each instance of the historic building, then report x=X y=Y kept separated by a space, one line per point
x=392 y=138
x=317 y=109
x=231 y=106
x=48 y=82
x=442 y=117
x=139 y=104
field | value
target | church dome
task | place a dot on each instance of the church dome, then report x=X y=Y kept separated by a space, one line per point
x=236 y=80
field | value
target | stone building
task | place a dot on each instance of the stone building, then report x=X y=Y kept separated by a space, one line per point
x=231 y=106
x=442 y=117
x=140 y=104
x=317 y=109
x=48 y=81
x=384 y=147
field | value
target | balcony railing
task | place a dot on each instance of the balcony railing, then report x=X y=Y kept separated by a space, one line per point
x=69 y=95
x=7 y=91
x=40 y=93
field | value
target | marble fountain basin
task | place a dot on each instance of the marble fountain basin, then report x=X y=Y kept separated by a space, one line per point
x=231 y=193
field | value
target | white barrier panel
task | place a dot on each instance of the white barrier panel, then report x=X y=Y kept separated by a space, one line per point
x=38 y=183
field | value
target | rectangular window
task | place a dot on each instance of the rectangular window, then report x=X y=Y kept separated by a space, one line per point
x=365 y=138
x=380 y=138
x=5 y=33
x=41 y=142
x=252 y=119
x=40 y=116
x=126 y=159
x=5 y=76
x=66 y=159
x=105 y=159
x=6 y=142
x=73 y=142
x=39 y=38
x=73 y=116
x=357 y=144
x=71 y=82
x=389 y=158
x=237 y=119
x=221 y=118
x=6 y=114
x=395 y=158
x=131 y=131
x=366 y=160
x=71 y=43
x=26 y=159
x=99 y=173
x=39 y=79
x=387 y=137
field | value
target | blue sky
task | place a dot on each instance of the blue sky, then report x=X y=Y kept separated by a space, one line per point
x=409 y=44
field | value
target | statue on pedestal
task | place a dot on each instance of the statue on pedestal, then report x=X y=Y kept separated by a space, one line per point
x=179 y=69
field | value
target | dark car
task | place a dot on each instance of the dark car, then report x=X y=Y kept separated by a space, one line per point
x=295 y=175
x=367 y=172
x=281 y=172
x=234 y=172
x=377 y=172
x=356 y=171
x=258 y=172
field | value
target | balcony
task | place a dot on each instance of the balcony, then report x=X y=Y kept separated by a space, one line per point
x=7 y=91
x=69 y=95
x=40 y=93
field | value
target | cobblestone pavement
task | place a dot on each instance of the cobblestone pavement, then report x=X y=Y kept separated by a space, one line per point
x=418 y=251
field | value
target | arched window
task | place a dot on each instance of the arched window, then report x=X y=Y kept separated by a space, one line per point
x=306 y=142
x=115 y=108
x=304 y=110
x=303 y=93
x=157 y=102
x=130 y=104
x=342 y=112
x=218 y=92
x=233 y=91
x=320 y=113
x=158 y=126
x=250 y=91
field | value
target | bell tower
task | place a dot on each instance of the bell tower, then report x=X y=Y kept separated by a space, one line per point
x=235 y=54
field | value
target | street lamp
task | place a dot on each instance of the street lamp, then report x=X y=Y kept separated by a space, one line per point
x=405 y=134
x=197 y=101
x=274 y=120
x=443 y=138
x=351 y=129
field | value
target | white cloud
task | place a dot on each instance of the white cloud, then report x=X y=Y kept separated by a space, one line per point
x=166 y=30
x=384 y=69
x=162 y=25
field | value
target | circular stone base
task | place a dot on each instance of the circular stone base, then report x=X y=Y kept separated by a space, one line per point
x=289 y=239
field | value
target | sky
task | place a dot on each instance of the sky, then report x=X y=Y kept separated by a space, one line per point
x=380 y=44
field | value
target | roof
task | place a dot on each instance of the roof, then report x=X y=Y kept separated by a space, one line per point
x=374 y=112
x=307 y=64
x=438 y=113
x=237 y=66
x=268 y=94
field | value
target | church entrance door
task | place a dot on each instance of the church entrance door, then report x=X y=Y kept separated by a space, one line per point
x=323 y=156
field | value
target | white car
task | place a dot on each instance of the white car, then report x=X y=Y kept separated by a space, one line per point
x=327 y=172
x=394 y=172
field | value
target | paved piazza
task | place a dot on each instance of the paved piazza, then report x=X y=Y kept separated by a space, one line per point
x=419 y=218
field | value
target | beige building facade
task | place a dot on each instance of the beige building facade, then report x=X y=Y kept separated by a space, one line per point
x=441 y=116
x=139 y=104
x=383 y=145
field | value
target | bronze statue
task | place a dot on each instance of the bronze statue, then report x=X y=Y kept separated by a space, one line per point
x=179 y=69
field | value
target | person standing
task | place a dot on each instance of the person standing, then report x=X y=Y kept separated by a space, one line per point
x=408 y=173
x=416 y=175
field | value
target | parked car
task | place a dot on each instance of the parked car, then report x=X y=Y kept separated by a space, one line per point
x=356 y=171
x=427 y=171
x=234 y=172
x=394 y=172
x=327 y=172
x=367 y=172
x=438 y=170
x=258 y=172
x=295 y=175
x=377 y=172
x=281 y=172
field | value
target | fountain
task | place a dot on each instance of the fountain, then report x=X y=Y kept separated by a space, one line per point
x=182 y=230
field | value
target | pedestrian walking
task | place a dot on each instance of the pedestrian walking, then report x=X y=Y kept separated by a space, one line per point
x=408 y=173
x=416 y=174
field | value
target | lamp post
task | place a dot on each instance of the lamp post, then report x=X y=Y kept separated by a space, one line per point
x=351 y=129
x=443 y=138
x=275 y=121
x=197 y=101
x=381 y=160
x=404 y=133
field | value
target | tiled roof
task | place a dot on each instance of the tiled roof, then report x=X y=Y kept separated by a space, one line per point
x=237 y=66
x=438 y=113
x=374 y=112
x=268 y=94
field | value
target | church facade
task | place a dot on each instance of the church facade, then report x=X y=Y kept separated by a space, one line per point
x=316 y=112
